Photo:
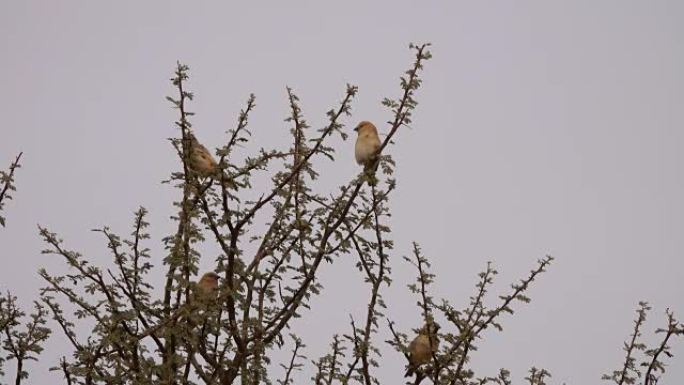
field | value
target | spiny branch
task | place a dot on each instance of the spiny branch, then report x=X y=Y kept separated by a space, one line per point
x=7 y=180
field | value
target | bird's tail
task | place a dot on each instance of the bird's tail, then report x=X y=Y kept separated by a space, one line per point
x=228 y=182
x=370 y=170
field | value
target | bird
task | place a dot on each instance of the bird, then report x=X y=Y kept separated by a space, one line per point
x=204 y=164
x=201 y=161
x=421 y=348
x=207 y=286
x=367 y=147
x=204 y=297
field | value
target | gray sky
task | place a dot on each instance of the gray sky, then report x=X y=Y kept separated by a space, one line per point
x=543 y=127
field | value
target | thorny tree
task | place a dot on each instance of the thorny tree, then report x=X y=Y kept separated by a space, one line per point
x=170 y=334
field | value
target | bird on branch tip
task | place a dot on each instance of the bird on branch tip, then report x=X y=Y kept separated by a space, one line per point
x=203 y=163
x=366 y=150
x=421 y=348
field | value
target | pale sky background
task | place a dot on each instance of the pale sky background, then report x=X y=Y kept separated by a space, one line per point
x=544 y=127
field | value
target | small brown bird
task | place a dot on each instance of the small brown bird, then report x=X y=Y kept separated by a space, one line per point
x=420 y=349
x=201 y=160
x=203 y=298
x=367 y=146
x=203 y=163
x=208 y=285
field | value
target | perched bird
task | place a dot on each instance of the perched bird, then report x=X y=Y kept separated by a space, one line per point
x=367 y=146
x=203 y=298
x=201 y=160
x=207 y=286
x=203 y=163
x=420 y=349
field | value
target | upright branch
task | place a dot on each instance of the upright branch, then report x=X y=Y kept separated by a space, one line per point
x=403 y=107
x=293 y=364
x=328 y=367
x=426 y=305
x=7 y=184
x=296 y=188
x=474 y=313
x=179 y=244
x=425 y=278
x=629 y=373
x=373 y=262
x=182 y=259
x=655 y=364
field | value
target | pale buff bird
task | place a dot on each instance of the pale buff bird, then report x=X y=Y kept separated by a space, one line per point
x=204 y=294
x=367 y=146
x=203 y=163
x=201 y=160
x=420 y=349
x=204 y=298
x=207 y=286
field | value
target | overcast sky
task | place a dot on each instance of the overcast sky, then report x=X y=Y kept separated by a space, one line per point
x=544 y=127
